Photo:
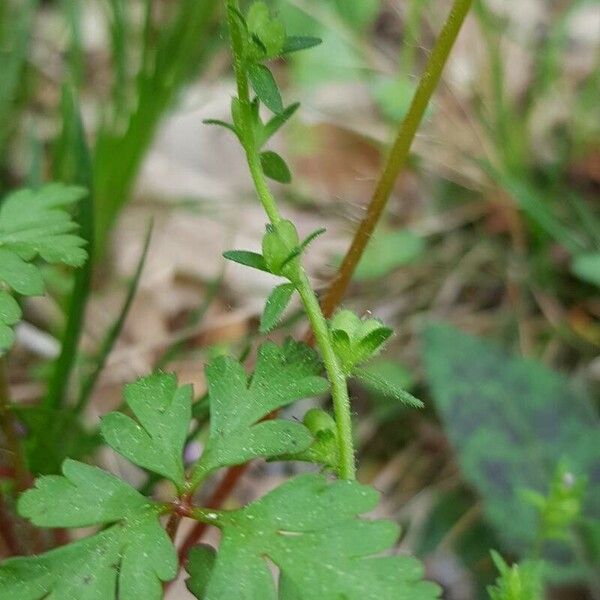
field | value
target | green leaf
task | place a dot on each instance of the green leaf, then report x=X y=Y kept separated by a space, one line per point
x=34 y=223
x=10 y=313
x=17 y=274
x=82 y=496
x=237 y=408
x=388 y=251
x=200 y=564
x=298 y=250
x=309 y=529
x=385 y=388
x=263 y=83
x=276 y=304
x=512 y=421
x=156 y=440
x=587 y=267
x=276 y=123
x=247 y=258
x=123 y=561
x=275 y=167
x=269 y=31
x=224 y=124
x=296 y=43
x=356 y=340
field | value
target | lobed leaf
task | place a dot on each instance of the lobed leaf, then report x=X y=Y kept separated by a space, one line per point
x=309 y=529
x=126 y=560
x=34 y=223
x=282 y=375
x=156 y=440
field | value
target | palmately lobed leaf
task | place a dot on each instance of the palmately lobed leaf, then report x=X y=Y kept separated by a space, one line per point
x=124 y=561
x=156 y=439
x=282 y=376
x=82 y=496
x=127 y=560
x=309 y=528
x=34 y=223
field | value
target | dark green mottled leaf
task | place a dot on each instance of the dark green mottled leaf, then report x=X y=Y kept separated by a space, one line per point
x=512 y=421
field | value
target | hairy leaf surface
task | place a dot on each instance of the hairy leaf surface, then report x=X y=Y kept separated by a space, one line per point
x=127 y=560
x=282 y=375
x=156 y=439
x=309 y=529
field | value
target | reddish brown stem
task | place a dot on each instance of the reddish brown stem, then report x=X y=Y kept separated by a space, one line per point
x=216 y=500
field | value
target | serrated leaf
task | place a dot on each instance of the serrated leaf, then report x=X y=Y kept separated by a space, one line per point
x=276 y=304
x=34 y=223
x=156 y=440
x=282 y=376
x=247 y=258
x=265 y=86
x=309 y=529
x=587 y=267
x=123 y=561
x=19 y=275
x=275 y=167
x=296 y=43
x=128 y=559
x=82 y=496
x=388 y=389
x=512 y=421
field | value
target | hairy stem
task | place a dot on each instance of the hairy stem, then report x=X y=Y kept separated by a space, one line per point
x=337 y=378
x=398 y=154
x=9 y=430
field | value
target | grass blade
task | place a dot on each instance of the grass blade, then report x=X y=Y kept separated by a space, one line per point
x=88 y=383
x=73 y=165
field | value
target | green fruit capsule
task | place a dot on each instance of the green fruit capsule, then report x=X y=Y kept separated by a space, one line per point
x=277 y=245
x=317 y=420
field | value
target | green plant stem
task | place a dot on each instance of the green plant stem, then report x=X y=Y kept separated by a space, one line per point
x=337 y=378
x=399 y=153
x=9 y=430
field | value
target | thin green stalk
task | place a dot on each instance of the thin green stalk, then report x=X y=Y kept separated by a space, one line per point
x=399 y=153
x=337 y=378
